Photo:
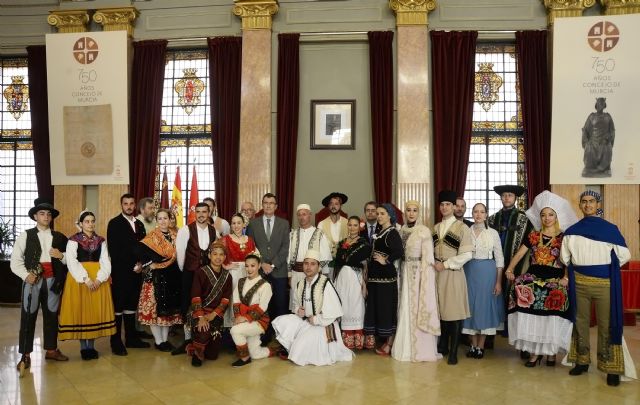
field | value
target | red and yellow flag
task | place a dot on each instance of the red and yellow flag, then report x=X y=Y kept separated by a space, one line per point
x=176 y=200
x=164 y=192
x=193 y=198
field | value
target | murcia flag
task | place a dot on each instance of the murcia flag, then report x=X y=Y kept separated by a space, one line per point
x=164 y=190
x=176 y=200
x=193 y=198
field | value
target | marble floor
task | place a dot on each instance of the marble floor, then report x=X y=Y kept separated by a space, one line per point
x=147 y=376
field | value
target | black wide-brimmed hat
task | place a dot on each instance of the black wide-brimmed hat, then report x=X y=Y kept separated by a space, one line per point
x=42 y=203
x=342 y=197
x=447 y=196
x=509 y=188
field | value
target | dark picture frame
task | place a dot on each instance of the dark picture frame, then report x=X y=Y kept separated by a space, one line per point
x=333 y=124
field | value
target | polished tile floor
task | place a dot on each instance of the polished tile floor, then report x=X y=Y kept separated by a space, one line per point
x=147 y=376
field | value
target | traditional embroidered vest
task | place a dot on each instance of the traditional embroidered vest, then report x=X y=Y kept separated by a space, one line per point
x=195 y=257
x=32 y=250
x=449 y=245
x=317 y=292
x=314 y=244
x=244 y=308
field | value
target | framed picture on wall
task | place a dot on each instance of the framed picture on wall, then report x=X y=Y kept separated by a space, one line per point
x=333 y=124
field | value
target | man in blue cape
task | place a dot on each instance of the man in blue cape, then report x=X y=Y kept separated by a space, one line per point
x=594 y=250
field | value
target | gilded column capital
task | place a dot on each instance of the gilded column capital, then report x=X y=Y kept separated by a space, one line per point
x=618 y=7
x=69 y=21
x=565 y=8
x=117 y=19
x=255 y=14
x=412 y=12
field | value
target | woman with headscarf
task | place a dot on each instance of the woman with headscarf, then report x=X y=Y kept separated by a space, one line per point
x=87 y=312
x=381 y=313
x=538 y=307
x=350 y=271
x=418 y=318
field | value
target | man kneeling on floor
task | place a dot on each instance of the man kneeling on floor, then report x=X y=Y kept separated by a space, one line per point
x=210 y=296
x=311 y=334
x=250 y=301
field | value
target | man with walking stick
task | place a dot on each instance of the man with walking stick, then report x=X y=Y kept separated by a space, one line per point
x=38 y=259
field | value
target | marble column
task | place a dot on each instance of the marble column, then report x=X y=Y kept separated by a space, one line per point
x=413 y=146
x=254 y=172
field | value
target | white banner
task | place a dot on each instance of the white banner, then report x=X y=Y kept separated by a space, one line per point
x=596 y=109
x=88 y=107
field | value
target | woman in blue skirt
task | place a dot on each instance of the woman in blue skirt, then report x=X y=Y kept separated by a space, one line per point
x=484 y=283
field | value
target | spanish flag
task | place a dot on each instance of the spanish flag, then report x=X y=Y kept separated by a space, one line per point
x=164 y=192
x=193 y=198
x=176 y=200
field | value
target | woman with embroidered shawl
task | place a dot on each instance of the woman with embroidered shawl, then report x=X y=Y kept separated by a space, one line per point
x=159 y=305
x=87 y=307
x=539 y=318
x=418 y=316
x=350 y=268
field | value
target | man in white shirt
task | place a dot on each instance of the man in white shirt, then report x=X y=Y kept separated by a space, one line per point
x=335 y=225
x=192 y=247
x=594 y=249
x=306 y=237
x=312 y=335
x=38 y=259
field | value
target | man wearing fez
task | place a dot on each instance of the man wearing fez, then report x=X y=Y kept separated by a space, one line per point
x=594 y=250
x=453 y=247
x=513 y=226
x=38 y=259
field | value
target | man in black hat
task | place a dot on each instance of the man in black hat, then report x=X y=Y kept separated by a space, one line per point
x=38 y=259
x=453 y=247
x=335 y=225
x=123 y=233
x=513 y=226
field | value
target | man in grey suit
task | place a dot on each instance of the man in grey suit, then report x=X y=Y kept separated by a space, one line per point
x=271 y=235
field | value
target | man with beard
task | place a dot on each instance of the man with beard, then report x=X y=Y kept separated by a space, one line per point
x=123 y=233
x=147 y=214
x=459 y=209
x=192 y=251
x=335 y=225
x=371 y=221
x=513 y=226
x=302 y=239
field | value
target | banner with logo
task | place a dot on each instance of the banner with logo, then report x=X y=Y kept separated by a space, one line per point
x=88 y=107
x=596 y=107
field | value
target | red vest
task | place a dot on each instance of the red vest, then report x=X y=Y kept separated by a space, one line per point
x=194 y=257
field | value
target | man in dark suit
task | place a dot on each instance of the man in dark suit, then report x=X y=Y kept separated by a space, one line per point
x=460 y=209
x=271 y=235
x=123 y=233
x=371 y=221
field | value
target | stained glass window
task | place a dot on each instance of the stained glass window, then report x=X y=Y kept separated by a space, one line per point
x=18 y=187
x=497 y=144
x=185 y=132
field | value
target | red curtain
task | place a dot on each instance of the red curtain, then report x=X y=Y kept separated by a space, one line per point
x=147 y=79
x=381 y=88
x=453 y=72
x=225 y=70
x=287 y=119
x=531 y=50
x=37 y=65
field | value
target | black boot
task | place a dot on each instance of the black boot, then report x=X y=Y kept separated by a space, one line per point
x=117 y=347
x=443 y=341
x=455 y=330
x=579 y=369
x=131 y=334
x=182 y=349
x=613 y=380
